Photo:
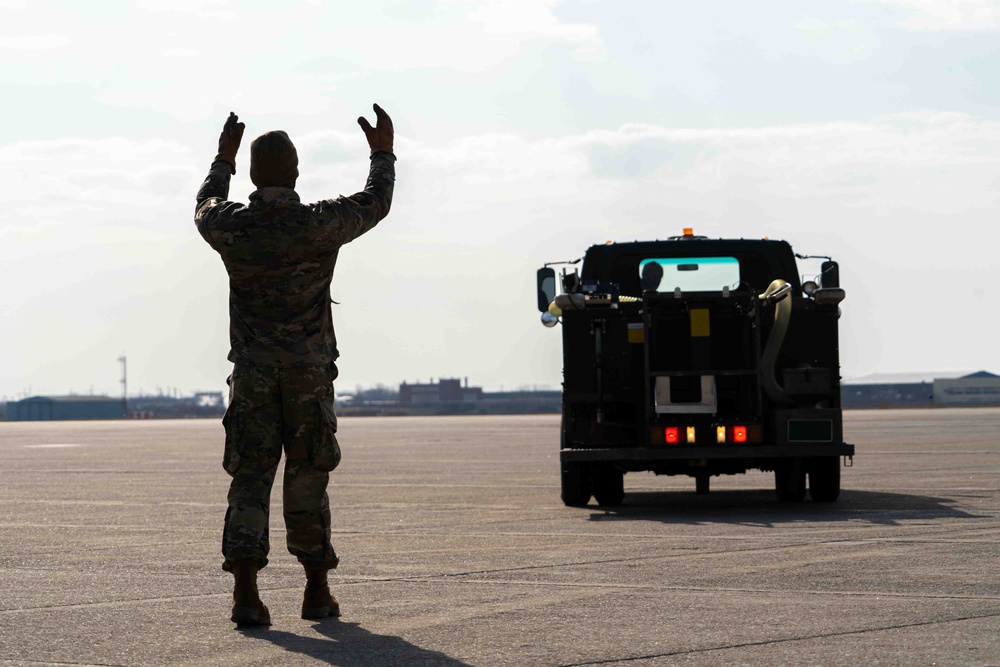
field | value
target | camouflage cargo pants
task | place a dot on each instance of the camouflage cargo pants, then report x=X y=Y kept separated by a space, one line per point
x=271 y=408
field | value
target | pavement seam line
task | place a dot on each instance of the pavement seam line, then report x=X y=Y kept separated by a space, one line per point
x=784 y=640
x=759 y=591
x=50 y=662
x=606 y=561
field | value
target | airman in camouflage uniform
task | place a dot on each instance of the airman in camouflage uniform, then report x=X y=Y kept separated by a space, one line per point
x=280 y=256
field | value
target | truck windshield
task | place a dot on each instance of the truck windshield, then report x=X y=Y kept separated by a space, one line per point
x=690 y=274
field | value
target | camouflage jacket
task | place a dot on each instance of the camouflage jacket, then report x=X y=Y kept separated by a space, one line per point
x=280 y=255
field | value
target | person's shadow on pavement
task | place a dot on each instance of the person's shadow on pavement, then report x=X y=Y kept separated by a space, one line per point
x=350 y=645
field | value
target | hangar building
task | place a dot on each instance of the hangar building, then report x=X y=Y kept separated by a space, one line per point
x=56 y=408
x=980 y=388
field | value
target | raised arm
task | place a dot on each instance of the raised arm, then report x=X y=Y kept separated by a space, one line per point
x=352 y=216
x=215 y=188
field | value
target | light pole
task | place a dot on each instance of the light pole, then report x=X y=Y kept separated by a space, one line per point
x=121 y=359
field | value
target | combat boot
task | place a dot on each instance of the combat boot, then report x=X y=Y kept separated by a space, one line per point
x=318 y=601
x=247 y=608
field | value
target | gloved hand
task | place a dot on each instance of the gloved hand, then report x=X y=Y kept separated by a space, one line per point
x=229 y=140
x=380 y=136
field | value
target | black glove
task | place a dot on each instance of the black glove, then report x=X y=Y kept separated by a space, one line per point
x=380 y=136
x=229 y=140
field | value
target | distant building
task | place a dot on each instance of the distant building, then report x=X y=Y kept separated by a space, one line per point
x=58 y=408
x=447 y=390
x=980 y=388
x=887 y=395
x=201 y=404
x=520 y=402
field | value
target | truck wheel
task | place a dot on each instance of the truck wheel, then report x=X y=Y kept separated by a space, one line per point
x=790 y=481
x=609 y=485
x=702 y=484
x=824 y=479
x=576 y=483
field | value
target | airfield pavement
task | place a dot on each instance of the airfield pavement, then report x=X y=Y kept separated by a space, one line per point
x=456 y=550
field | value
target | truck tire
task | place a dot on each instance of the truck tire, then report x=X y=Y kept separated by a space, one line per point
x=576 y=483
x=824 y=479
x=609 y=485
x=790 y=481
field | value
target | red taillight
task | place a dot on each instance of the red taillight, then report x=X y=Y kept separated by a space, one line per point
x=739 y=434
x=672 y=435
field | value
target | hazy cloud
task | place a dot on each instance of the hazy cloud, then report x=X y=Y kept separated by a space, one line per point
x=535 y=17
x=935 y=15
x=181 y=53
x=474 y=217
x=33 y=42
x=215 y=9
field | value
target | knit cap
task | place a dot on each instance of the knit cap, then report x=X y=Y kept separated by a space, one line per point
x=273 y=160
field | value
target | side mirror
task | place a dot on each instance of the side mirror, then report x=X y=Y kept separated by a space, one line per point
x=829 y=274
x=549 y=320
x=546 y=288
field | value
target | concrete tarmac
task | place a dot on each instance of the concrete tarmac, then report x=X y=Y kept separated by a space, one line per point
x=456 y=550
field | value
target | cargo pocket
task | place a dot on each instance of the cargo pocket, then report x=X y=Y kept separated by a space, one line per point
x=325 y=452
x=247 y=441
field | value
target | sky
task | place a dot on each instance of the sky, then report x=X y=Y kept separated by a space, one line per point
x=526 y=131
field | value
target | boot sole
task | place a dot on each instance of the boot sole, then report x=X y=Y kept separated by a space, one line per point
x=245 y=617
x=313 y=613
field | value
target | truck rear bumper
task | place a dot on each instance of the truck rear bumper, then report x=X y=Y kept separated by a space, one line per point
x=673 y=453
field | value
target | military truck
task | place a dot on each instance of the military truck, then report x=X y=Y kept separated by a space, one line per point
x=699 y=357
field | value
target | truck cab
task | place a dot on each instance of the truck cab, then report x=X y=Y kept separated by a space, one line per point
x=698 y=357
